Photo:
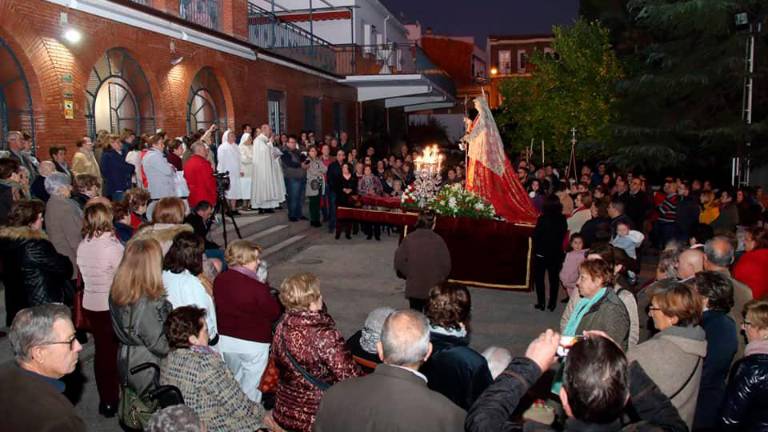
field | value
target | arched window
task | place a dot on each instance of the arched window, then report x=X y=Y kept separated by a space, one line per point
x=206 y=105
x=15 y=98
x=118 y=95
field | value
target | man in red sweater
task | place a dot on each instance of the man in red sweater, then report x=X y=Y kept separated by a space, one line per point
x=198 y=173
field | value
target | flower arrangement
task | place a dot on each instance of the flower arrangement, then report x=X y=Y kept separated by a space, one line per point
x=455 y=201
x=451 y=200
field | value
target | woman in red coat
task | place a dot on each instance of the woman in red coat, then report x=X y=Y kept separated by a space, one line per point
x=198 y=173
x=245 y=312
x=309 y=352
x=752 y=267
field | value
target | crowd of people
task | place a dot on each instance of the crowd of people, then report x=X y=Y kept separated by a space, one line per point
x=118 y=245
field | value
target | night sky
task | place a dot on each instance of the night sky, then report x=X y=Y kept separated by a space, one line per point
x=480 y=18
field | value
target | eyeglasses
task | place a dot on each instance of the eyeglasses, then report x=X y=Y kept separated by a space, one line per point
x=70 y=342
x=746 y=323
x=653 y=308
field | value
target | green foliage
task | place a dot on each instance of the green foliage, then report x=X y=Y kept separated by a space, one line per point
x=680 y=103
x=574 y=88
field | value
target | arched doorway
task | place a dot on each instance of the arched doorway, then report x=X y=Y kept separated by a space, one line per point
x=118 y=95
x=15 y=98
x=206 y=105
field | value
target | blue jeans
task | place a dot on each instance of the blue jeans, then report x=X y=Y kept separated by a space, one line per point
x=294 y=188
x=331 y=211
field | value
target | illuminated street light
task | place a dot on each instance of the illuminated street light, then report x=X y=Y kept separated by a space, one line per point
x=494 y=71
x=72 y=35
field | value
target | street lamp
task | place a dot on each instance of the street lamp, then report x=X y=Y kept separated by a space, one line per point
x=740 y=166
x=494 y=71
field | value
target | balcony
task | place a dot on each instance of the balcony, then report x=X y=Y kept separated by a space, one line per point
x=203 y=12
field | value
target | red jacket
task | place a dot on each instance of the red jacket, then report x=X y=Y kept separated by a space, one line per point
x=245 y=309
x=752 y=269
x=198 y=173
x=319 y=348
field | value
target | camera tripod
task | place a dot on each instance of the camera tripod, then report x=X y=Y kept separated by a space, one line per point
x=222 y=208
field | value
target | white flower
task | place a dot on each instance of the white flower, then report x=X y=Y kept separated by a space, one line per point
x=479 y=206
x=452 y=202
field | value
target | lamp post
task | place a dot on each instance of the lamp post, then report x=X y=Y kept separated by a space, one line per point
x=740 y=166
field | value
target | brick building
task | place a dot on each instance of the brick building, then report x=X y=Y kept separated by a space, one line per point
x=178 y=65
x=508 y=57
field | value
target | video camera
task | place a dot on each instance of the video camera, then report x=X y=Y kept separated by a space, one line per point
x=222 y=182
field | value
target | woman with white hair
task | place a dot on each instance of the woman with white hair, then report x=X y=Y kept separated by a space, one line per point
x=64 y=219
x=362 y=344
x=228 y=155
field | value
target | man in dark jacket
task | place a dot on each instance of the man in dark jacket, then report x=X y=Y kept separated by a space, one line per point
x=115 y=170
x=598 y=386
x=9 y=174
x=636 y=203
x=295 y=174
x=423 y=260
x=395 y=396
x=43 y=340
x=334 y=180
x=687 y=212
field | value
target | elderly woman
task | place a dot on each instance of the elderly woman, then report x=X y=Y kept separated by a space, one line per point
x=746 y=407
x=716 y=291
x=581 y=213
x=205 y=382
x=370 y=185
x=138 y=307
x=86 y=187
x=167 y=222
x=98 y=258
x=454 y=369
x=33 y=272
x=315 y=185
x=181 y=267
x=752 y=267
x=362 y=344
x=246 y=311
x=674 y=357
x=599 y=307
x=64 y=219
x=309 y=351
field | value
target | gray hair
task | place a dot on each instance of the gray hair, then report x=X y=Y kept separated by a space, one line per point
x=32 y=327
x=405 y=338
x=47 y=167
x=56 y=181
x=721 y=257
x=371 y=332
x=175 y=418
x=668 y=261
x=194 y=148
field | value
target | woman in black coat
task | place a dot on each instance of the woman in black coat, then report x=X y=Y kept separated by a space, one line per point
x=746 y=399
x=454 y=369
x=548 y=238
x=346 y=195
x=32 y=271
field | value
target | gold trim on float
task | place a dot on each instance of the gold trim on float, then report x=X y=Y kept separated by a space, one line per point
x=512 y=287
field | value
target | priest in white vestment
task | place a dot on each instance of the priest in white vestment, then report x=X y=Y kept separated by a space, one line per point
x=268 y=185
x=228 y=155
x=246 y=160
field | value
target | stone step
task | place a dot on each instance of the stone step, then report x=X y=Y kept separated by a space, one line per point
x=283 y=245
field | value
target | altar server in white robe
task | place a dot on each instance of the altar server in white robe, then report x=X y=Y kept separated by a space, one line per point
x=228 y=155
x=268 y=186
x=246 y=160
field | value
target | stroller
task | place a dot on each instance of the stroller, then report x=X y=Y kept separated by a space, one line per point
x=137 y=409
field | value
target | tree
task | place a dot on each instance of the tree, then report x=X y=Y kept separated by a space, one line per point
x=680 y=103
x=574 y=88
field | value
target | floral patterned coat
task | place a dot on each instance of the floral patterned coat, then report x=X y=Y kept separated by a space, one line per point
x=319 y=348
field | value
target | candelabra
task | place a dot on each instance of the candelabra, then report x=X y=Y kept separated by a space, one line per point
x=427 y=182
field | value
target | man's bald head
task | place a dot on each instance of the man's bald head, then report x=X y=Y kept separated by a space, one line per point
x=719 y=253
x=690 y=262
x=405 y=339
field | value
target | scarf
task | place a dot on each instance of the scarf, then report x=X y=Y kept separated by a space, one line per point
x=756 y=347
x=581 y=309
x=459 y=333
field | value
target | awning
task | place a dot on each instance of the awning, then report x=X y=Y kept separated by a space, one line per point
x=413 y=92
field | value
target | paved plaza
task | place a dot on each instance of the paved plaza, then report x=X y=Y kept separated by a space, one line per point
x=357 y=276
